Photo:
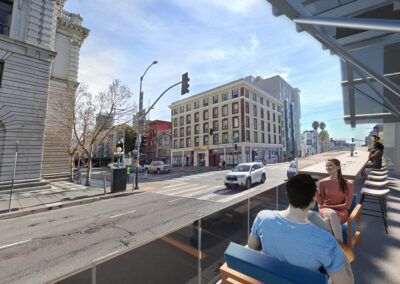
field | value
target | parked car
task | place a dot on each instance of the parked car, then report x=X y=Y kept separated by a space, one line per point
x=157 y=167
x=245 y=175
x=291 y=170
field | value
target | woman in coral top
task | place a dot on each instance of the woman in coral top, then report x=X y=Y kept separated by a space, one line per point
x=334 y=197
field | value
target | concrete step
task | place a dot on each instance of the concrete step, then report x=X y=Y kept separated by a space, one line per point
x=22 y=184
x=26 y=189
x=58 y=176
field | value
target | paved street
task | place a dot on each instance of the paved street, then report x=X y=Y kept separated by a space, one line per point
x=40 y=247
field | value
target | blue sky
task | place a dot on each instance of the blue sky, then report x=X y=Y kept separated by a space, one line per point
x=216 y=41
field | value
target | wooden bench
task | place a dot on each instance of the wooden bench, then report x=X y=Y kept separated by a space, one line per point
x=247 y=266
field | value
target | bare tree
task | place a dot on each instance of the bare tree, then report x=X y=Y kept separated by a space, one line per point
x=90 y=131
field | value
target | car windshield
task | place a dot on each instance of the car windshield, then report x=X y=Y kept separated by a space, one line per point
x=160 y=163
x=241 y=168
x=293 y=166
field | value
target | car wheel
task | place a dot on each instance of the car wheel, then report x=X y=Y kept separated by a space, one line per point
x=228 y=186
x=158 y=171
x=262 y=178
x=248 y=183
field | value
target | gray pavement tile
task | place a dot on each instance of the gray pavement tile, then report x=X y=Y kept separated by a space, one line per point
x=28 y=202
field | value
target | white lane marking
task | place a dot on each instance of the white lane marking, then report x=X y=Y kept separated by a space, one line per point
x=114 y=216
x=206 y=197
x=189 y=189
x=14 y=244
x=175 y=200
x=178 y=184
x=205 y=190
x=182 y=186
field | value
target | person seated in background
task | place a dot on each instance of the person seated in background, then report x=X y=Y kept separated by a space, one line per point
x=374 y=158
x=289 y=236
x=334 y=197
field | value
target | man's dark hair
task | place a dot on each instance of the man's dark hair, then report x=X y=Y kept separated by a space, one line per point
x=376 y=137
x=300 y=190
x=378 y=146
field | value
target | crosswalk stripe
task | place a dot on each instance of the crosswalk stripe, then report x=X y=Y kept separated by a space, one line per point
x=169 y=186
x=189 y=190
x=181 y=188
x=200 y=192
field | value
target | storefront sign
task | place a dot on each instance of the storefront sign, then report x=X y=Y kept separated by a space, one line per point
x=200 y=148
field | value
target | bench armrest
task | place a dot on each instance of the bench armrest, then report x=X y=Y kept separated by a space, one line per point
x=355 y=216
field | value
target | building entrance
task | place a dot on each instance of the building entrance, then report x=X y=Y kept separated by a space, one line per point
x=201 y=161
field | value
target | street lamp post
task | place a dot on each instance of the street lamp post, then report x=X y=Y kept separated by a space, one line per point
x=140 y=128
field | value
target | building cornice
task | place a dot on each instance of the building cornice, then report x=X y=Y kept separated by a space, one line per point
x=71 y=23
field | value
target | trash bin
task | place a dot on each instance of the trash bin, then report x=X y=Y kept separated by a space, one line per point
x=118 y=180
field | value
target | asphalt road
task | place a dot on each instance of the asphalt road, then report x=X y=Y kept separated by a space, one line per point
x=41 y=247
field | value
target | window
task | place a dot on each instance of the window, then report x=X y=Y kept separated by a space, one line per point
x=176 y=132
x=196 y=105
x=182 y=132
x=205 y=115
x=280 y=140
x=205 y=140
x=269 y=127
x=268 y=117
x=205 y=127
x=274 y=128
x=175 y=122
x=196 y=129
x=274 y=139
x=225 y=110
x=188 y=131
x=279 y=129
x=247 y=136
x=224 y=96
x=175 y=144
x=246 y=107
x=175 y=111
x=188 y=119
x=5 y=17
x=262 y=125
x=215 y=139
x=255 y=137
x=196 y=141
x=225 y=138
x=262 y=113
x=269 y=138
x=205 y=102
x=255 y=123
x=273 y=106
x=254 y=110
x=215 y=112
x=188 y=107
x=1 y=63
x=181 y=120
x=181 y=109
x=273 y=117
x=247 y=122
x=181 y=141
x=215 y=99
x=254 y=97
x=235 y=108
x=196 y=117
x=225 y=124
x=262 y=138
x=261 y=100
x=235 y=122
x=215 y=125
x=267 y=103
x=235 y=93
x=279 y=118
x=246 y=93
x=188 y=142
x=236 y=135
x=279 y=108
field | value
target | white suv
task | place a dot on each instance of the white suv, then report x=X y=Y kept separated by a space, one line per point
x=245 y=175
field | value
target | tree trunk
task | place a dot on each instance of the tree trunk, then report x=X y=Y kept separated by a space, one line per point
x=71 y=163
x=89 y=171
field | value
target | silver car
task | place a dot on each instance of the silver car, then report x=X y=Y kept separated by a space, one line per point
x=245 y=175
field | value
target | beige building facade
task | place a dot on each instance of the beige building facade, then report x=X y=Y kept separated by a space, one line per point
x=236 y=123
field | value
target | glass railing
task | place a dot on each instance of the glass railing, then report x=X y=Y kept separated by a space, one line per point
x=187 y=254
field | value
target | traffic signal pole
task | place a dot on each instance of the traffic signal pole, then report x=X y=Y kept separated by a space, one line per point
x=142 y=116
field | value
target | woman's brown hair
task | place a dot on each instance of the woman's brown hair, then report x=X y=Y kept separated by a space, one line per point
x=342 y=180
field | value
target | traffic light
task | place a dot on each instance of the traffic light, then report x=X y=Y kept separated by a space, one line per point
x=235 y=147
x=144 y=141
x=211 y=131
x=185 y=83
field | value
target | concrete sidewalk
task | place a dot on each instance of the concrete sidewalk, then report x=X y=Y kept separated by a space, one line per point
x=61 y=194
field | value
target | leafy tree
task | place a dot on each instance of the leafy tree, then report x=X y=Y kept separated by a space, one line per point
x=130 y=139
x=322 y=125
x=315 y=125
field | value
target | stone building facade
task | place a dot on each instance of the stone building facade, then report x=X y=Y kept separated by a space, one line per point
x=39 y=54
x=236 y=122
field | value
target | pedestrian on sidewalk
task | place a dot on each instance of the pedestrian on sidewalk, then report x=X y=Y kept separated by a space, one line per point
x=223 y=164
x=219 y=165
x=128 y=172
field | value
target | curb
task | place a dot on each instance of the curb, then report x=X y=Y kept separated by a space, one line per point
x=58 y=205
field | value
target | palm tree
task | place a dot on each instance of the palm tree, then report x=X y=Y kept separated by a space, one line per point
x=323 y=135
x=315 y=125
x=322 y=125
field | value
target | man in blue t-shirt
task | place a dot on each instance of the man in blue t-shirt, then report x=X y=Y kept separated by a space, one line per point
x=289 y=236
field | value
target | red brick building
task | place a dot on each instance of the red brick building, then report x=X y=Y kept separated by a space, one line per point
x=153 y=130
